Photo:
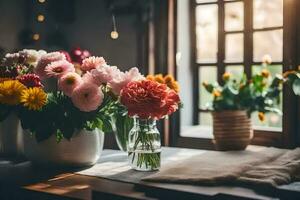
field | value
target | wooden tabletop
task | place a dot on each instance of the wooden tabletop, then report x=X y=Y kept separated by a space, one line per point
x=28 y=182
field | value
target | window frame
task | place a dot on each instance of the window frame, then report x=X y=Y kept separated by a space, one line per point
x=261 y=137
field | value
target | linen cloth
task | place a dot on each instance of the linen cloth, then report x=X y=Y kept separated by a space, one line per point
x=256 y=165
x=264 y=166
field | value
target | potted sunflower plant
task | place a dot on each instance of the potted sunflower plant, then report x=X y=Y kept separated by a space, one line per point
x=235 y=100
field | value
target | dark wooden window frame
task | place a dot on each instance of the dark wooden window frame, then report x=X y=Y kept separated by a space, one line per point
x=288 y=138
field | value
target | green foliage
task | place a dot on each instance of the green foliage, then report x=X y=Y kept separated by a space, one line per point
x=59 y=116
x=122 y=124
x=4 y=111
x=260 y=93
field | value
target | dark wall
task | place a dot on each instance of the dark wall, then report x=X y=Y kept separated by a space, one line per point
x=70 y=23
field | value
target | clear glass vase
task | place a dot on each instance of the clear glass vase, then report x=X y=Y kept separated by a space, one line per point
x=144 y=146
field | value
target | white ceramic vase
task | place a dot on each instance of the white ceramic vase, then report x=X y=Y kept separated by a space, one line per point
x=84 y=149
x=11 y=136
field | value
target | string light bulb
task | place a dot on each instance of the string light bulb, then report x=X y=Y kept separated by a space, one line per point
x=40 y=18
x=114 y=33
x=36 y=36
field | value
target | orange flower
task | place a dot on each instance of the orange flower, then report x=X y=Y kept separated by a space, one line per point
x=265 y=73
x=226 y=76
x=150 y=77
x=159 y=78
x=261 y=116
x=174 y=86
x=171 y=83
x=216 y=93
x=169 y=78
x=285 y=74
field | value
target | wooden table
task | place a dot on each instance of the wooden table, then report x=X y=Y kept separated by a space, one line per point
x=27 y=182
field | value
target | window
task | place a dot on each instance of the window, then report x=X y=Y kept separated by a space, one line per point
x=233 y=36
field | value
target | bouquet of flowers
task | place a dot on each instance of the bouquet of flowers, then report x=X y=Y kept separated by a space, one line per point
x=18 y=82
x=85 y=96
x=148 y=100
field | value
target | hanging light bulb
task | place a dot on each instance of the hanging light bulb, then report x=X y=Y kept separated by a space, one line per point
x=41 y=1
x=40 y=18
x=114 y=33
x=36 y=36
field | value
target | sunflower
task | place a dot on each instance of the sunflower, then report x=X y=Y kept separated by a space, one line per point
x=10 y=92
x=34 y=98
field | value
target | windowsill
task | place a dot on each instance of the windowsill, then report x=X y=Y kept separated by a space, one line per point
x=204 y=131
x=197 y=131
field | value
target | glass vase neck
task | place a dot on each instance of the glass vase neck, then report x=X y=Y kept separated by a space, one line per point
x=144 y=122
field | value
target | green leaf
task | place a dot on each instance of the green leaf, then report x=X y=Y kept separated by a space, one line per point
x=296 y=86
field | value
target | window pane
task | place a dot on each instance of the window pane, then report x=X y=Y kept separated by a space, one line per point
x=274 y=69
x=234 y=16
x=208 y=74
x=268 y=42
x=234 y=47
x=207 y=33
x=267 y=13
x=236 y=71
x=205 y=1
x=272 y=120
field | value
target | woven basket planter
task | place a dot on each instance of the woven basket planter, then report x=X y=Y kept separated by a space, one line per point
x=232 y=130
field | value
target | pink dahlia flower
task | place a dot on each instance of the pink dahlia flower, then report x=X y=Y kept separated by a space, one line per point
x=120 y=81
x=92 y=63
x=103 y=74
x=87 y=97
x=45 y=60
x=68 y=82
x=59 y=68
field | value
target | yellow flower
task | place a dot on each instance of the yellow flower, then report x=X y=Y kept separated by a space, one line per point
x=171 y=83
x=226 y=76
x=34 y=98
x=10 y=92
x=150 y=77
x=159 y=78
x=265 y=73
x=169 y=78
x=261 y=116
x=216 y=93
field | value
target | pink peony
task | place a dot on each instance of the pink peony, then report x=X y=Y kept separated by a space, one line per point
x=103 y=74
x=68 y=82
x=59 y=68
x=92 y=63
x=87 y=97
x=45 y=60
x=120 y=81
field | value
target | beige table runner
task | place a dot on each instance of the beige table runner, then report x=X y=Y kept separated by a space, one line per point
x=268 y=166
